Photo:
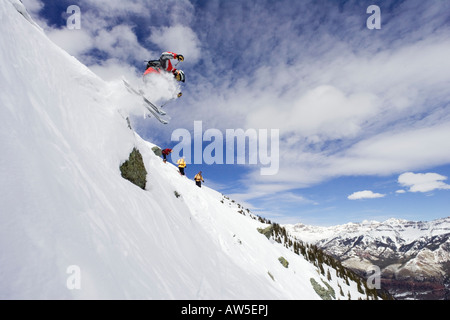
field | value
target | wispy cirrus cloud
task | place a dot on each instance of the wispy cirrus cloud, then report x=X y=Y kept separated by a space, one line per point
x=349 y=109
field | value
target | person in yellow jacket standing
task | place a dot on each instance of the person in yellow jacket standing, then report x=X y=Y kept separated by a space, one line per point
x=181 y=165
x=199 y=179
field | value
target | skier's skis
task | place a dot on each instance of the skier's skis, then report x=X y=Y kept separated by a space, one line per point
x=156 y=115
x=155 y=108
x=151 y=109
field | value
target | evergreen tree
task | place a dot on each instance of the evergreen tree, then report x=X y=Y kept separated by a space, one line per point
x=341 y=292
x=360 y=289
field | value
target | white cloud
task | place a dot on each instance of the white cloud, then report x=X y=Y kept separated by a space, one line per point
x=113 y=69
x=304 y=163
x=394 y=150
x=179 y=39
x=423 y=182
x=151 y=10
x=33 y=6
x=117 y=45
x=75 y=42
x=121 y=43
x=117 y=7
x=324 y=111
x=366 y=194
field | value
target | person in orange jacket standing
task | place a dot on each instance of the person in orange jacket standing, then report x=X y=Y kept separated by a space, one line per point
x=199 y=179
x=181 y=165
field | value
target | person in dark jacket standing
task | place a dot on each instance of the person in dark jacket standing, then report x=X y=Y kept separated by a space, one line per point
x=165 y=153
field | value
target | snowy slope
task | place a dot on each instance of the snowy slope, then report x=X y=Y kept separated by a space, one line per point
x=64 y=203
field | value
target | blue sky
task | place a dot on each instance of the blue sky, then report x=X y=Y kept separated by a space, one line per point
x=363 y=115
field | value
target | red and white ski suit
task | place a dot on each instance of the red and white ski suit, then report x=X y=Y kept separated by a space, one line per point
x=164 y=63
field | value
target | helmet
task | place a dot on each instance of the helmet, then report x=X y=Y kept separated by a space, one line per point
x=179 y=75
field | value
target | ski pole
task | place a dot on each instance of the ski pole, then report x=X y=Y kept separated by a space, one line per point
x=170 y=100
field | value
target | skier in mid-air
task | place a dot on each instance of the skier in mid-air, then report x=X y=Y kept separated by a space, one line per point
x=159 y=67
x=164 y=64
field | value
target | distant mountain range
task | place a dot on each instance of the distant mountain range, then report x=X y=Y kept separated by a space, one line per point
x=413 y=257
